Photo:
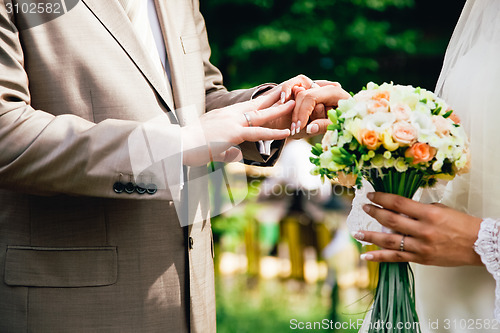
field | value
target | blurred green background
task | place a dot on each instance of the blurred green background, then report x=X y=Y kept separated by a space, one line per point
x=273 y=268
x=350 y=41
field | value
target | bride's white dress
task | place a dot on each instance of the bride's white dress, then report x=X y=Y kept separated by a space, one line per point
x=470 y=83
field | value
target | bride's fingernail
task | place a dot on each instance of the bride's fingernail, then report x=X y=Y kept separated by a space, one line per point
x=367 y=208
x=312 y=128
x=292 y=128
x=298 y=127
x=370 y=195
x=358 y=235
x=283 y=97
x=366 y=256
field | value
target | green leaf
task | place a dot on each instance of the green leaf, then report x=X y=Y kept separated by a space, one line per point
x=317 y=149
x=447 y=114
x=436 y=111
x=314 y=160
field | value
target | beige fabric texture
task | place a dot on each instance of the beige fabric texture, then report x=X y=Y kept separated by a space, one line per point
x=74 y=255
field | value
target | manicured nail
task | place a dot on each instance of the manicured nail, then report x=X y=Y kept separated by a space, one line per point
x=298 y=127
x=367 y=208
x=312 y=128
x=292 y=128
x=283 y=97
x=358 y=235
x=366 y=256
x=370 y=195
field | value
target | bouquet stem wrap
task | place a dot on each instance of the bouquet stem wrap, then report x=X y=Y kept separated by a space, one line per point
x=394 y=303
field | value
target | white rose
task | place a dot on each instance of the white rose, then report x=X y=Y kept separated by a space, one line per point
x=379 y=122
x=329 y=139
x=423 y=124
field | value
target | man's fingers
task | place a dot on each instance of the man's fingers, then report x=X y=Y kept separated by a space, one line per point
x=399 y=204
x=263 y=101
x=393 y=221
x=261 y=117
x=263 y=133
x=319 y=112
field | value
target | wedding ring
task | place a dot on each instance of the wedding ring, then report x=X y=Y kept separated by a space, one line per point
x=249 y=121
x=314 y=85
x=402 y=244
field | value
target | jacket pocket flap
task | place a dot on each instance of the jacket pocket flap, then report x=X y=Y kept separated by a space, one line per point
x=61 y=267
x=190 y=43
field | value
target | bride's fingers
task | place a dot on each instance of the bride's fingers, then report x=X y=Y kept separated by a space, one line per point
x=388 y=241
x=323 y=83
x=394 y=221
x=288 y=86
x=401 y=205
x=318 y=126
x=307 y=100
x=390 y=256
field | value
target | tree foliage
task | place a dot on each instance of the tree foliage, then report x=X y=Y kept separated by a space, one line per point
x=350 y=41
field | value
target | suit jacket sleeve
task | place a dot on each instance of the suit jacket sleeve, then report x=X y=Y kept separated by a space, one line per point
x=217 y=96
x=45 y=154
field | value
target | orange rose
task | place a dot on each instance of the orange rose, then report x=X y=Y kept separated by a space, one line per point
x=369 y=138
x=377 y=106
x=382 y=95
x=420 y=152
x=347 y=180
x=455 y=118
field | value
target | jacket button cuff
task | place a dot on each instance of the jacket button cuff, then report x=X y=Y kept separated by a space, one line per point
x=118 y=187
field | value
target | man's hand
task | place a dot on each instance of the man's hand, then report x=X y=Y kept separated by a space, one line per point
x=213 y=137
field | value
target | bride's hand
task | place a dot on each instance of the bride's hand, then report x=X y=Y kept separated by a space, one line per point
x=218 y=130
x=435 y=234
x=310 y=114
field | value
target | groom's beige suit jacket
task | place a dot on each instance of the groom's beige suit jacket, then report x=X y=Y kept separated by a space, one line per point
x=75 y=256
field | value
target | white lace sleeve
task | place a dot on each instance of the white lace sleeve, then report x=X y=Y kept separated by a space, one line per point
x=488 y=248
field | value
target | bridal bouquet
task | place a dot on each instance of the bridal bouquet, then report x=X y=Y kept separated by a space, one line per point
x=399 y=138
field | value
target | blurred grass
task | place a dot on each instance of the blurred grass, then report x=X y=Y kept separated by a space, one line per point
x=248 y=306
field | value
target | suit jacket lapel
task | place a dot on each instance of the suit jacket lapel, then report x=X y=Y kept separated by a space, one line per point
x=114 y=19
x=167 y=11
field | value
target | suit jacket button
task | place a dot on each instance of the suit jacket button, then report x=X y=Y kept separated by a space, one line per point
x=151 y=188
x=141 y=188
x=191 y=243
x=118 y=187
x=130 y=188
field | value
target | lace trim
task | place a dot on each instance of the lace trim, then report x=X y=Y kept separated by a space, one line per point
x=488 y=248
